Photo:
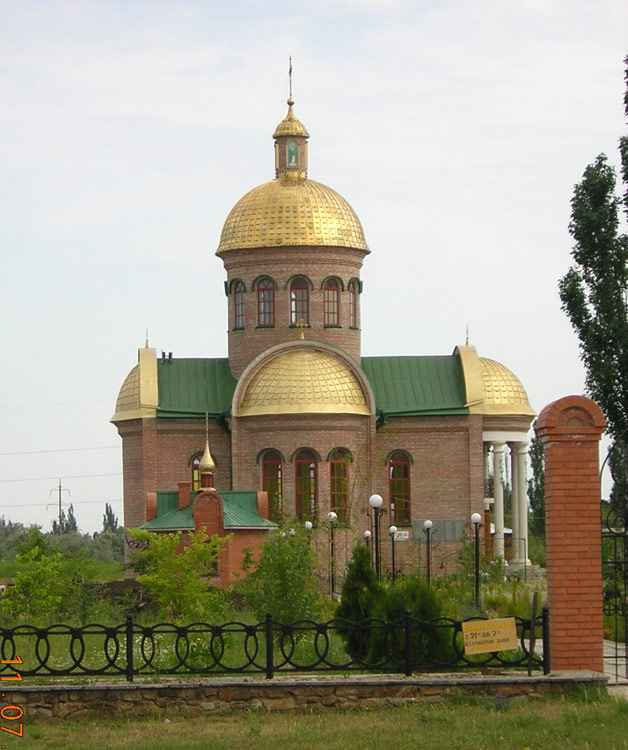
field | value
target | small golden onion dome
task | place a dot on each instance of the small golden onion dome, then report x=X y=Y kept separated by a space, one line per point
x=290 y=125
x=503 y=391
x=206 y=465
x=291 y=211
x=303 y=382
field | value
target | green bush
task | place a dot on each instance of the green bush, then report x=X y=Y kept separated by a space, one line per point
x=283 y=582
x=414 y=595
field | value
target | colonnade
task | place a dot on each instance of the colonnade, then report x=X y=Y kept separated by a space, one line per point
x=502 y=449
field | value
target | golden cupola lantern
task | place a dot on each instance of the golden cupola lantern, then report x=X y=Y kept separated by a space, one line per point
x=291 y=146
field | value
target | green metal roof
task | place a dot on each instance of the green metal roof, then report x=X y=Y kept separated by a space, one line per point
x=240 y=512
x=403 y=386
x=417 y=386
x=193 y=387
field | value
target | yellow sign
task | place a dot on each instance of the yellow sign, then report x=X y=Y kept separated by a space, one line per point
x=484 y=636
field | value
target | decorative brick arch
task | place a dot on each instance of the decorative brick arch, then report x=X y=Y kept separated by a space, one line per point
x=570 y=430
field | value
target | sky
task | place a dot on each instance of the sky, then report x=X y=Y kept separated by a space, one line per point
x=129 y=129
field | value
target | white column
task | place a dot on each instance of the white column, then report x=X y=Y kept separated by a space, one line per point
x=515 y=501
x=498 y=494
x=521 y=454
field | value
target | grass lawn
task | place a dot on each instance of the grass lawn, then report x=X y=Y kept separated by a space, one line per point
x=488 y=724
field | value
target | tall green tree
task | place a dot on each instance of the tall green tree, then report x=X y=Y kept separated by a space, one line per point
x=65 y=524
x=593 y=292
x=536 y=485
x=109 y=520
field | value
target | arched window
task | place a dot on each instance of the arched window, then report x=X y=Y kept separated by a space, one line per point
x=306 y=486
x=353 y=305
x=299 y=302
x=330 y=299
x=271 y=483
x=265 y=303
x=238 y=305
x=399 y=488
x=339 y=483
x=195 y=462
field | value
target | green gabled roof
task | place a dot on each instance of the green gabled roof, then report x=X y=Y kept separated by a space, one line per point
x=417 y=386
x=403 y=386
x=240 y=512
x=194 y=387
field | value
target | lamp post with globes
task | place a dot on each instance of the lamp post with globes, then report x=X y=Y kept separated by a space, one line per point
x=332 y=518
x=427 y=528
x=476 y=520
x=308 y=528
x=376 y=502
x=392 y=530
x=367 y=538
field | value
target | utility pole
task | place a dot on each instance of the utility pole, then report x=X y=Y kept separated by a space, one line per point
x=60 y=490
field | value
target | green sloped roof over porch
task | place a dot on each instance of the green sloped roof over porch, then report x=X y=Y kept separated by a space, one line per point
x=239 y=512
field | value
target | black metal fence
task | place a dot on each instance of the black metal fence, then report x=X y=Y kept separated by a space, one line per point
x=269 y=647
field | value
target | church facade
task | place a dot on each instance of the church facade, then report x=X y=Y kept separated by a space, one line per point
x=296 y=414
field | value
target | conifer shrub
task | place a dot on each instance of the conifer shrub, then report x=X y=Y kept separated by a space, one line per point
x=360 y=592
x=429 y=642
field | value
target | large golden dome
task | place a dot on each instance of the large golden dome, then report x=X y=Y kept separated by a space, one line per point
x=303 y=382
x=291 y=210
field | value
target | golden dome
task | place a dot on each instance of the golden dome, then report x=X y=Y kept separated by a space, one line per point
x=303 y=382
x=291 y=210
x=503 y=392
x=129 y=395
x=491 y=388
x=290 y=125
x=138 y=395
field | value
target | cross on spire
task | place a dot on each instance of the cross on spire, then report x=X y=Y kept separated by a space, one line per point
x=301 y=325
x=290 y=75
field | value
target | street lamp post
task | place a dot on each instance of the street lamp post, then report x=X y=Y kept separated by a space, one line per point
x=332 y=518
x=308 y=528
x=476 y=520
x=367 y=539
x=427 y=528
x=376 y=501
x=392 y=531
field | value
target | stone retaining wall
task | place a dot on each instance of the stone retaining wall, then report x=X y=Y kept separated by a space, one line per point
x=60 y=702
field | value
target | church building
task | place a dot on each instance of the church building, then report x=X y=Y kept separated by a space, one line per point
x=298 y=422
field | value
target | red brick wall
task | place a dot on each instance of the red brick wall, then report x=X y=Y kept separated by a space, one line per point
x=208 y=514
x=446 y=474
x=570 y=430
x=281 y=264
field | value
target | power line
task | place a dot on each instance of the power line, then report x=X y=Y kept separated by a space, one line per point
x=52 y=403
x=61 y=450
x=68 y=476
x=77 y=502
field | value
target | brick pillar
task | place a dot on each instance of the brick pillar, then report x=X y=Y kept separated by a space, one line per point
x=570 y=430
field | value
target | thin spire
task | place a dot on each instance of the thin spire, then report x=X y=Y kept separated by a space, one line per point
x=290 y=77
x=467 y=339
x=146 y=340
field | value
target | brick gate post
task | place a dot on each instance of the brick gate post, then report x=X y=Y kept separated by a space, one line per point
x=570 y=430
